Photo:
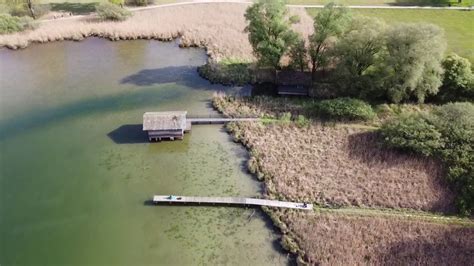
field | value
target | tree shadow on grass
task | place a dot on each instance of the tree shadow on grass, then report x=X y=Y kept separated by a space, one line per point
x=75 y=8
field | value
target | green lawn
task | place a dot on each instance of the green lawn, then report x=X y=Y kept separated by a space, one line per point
x=384 y=2
x=458 y=25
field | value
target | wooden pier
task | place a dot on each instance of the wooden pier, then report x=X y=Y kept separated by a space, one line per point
x=218 y=120
x=231 y=201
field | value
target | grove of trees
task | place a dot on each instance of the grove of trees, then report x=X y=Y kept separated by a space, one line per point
x=365 y=57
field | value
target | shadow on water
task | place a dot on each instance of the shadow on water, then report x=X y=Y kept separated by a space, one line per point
x=182 y=75
x=122 y=101
x=129 y=134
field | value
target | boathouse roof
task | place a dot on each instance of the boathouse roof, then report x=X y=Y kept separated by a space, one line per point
x=171 y=120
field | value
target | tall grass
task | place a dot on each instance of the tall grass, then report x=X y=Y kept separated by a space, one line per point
x=333 y=239
x=218 y=27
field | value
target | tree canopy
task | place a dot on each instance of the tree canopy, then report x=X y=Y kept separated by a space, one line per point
x=329 y=23
x=361 y=51
x=458 y=81
x=413 y=61
x=269 y=31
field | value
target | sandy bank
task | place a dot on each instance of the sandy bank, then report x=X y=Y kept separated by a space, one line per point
x=218 y=27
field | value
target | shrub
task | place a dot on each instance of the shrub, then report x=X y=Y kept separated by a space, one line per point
x=117 y=2
x=344 y=109
x=285 y=117
x=302 y=121
x=110 y=11
x=10 y=24
x=412 y=132
x=447 y=133
x=141 y=2
x=19 y=10
x=458 y=82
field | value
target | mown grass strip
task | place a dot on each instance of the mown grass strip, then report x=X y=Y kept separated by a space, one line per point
x=400 y=214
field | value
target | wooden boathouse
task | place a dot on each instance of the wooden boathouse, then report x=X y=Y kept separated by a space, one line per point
x=172 y=125
x=164 y=125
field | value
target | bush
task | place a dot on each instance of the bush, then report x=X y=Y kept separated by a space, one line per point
x=458 y=82
x=142 y=2
x=22 y=10
x=302 y=121
x=344 y=109
x=19 y=10
x=412 y=132
x=10 y=24
x=117 y=2
x=447 y=133
x=110 y=11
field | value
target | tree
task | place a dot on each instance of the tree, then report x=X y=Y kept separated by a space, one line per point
x=298 y=55
x=458 y=82
x=269 y=31
x=329 y=23
x=21 y=6
x=413 y=61
x=360 y=51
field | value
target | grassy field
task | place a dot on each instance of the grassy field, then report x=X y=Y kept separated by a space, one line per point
x=382 y=2
x=458 y=25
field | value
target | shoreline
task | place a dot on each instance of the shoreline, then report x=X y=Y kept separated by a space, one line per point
x=221 y=35
x=294 y=226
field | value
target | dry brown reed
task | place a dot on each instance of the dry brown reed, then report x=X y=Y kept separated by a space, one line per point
x=330 y=239
x=336 y=165
x=344 y=166
x=218 y=27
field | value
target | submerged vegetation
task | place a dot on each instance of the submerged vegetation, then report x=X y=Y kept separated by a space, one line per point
x=401 y=158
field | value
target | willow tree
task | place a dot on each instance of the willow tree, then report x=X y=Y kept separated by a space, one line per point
x=330 y=22
x=269 y=29
x=360 y=52
x=413 y=61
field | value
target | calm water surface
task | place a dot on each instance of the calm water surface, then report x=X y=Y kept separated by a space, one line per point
x=76 y=170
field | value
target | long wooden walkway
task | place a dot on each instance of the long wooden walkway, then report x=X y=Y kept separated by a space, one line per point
x=218 y=120
x=231 y=201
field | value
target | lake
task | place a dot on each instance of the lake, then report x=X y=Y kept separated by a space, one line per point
x=77 y=171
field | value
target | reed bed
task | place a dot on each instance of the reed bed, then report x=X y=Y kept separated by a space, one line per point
x=334 y=165
x=330 y=239
x=218 y=27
